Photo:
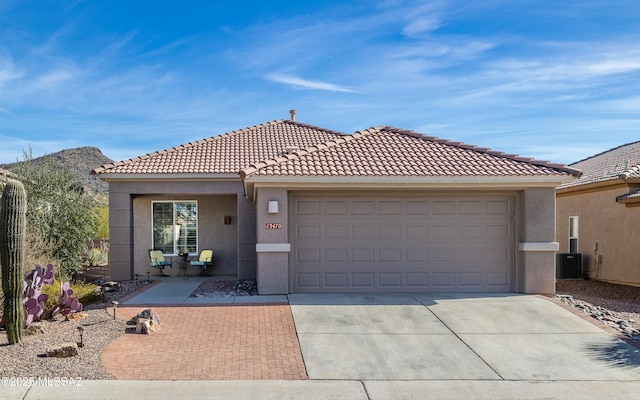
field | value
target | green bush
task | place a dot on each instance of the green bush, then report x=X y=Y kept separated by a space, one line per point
x=101 y=213
x=94 y=257
x=61 y=215
x=86 y=293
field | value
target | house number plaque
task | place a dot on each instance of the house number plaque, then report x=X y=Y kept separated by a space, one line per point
x=274 y=226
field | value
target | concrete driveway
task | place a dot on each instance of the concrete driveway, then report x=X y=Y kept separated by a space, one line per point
x=426 y=337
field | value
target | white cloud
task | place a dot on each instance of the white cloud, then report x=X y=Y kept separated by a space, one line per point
x=572 y=64
x=53 y=78
x=308 y=84
x=613 y=66
x=8 y=70
x=422 y=25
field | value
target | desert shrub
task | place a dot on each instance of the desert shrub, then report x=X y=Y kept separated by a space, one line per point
x=94 y=257
x=86 y=293
x=102 y=219
x=61 y=216
x=38 y=250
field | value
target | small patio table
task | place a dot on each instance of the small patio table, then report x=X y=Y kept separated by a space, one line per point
x=183 y=263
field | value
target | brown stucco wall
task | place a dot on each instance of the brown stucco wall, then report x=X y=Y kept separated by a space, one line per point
x=273 y=259
x=607 y=229
x=212 y=232
x=534 y=223
x=535 y=270
x=130 y=226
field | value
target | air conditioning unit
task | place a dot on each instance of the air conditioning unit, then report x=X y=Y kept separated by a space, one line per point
x=568 y=265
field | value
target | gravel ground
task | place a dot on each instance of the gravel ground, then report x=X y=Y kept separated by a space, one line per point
x=622 y=300
x=25 y=360
x=213 y=287
x=226 y=288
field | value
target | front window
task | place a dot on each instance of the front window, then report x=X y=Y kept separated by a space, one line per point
x=175 y=226
x=573 y=234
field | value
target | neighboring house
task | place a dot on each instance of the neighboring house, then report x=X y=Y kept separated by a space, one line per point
x=306 y=209
x=597 y=215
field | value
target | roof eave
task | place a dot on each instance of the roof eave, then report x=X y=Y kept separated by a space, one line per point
x=629 y=180
x=628 y=200
x=252 y=183
x=612 y=181
x=109 y=177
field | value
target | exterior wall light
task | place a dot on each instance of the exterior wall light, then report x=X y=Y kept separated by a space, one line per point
x=273 y=207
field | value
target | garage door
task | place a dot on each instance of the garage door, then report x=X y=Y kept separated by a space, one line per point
x=401 y=243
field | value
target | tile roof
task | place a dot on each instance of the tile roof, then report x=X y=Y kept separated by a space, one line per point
x=628 y=197
x=388 y=151
x=226 y=153
x=622 y=162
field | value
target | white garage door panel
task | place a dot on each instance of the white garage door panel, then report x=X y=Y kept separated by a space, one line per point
x=434 y=243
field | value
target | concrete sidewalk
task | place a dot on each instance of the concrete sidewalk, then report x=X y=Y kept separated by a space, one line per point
x=177 y=291
x=312 y=390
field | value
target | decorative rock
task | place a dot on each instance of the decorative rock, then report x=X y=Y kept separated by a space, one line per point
x=147 y=322
x=143 y=326
x=150 y=314
x=244 y=287
x=75 y=316
x=623 y=324
x=35 y=328
x=602 y=314
x=110 y=286
x=63 y=350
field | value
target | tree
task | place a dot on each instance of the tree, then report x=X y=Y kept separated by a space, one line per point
x=102 y=215
x=61 y=216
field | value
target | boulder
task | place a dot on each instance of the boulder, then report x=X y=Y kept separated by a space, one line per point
x=36 y=328
x=110 y=286
x=62 y=350
x=75 y=316
x=147 y=322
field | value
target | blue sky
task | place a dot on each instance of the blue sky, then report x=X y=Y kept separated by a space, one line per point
x=555 y=80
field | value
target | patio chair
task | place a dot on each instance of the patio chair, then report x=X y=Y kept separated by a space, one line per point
x=158 y=261
x=204 y=261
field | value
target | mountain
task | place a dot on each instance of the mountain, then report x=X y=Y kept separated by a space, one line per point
x=79 y=162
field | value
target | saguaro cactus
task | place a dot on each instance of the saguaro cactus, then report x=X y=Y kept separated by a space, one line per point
x=13 y=227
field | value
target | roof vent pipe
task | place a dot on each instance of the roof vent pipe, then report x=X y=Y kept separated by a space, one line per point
x=293 y=115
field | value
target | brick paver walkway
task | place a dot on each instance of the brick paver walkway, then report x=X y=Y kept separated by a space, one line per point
x=212 y=342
